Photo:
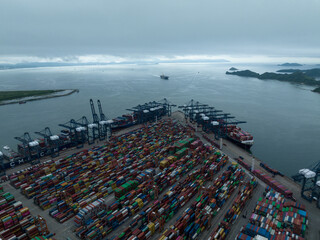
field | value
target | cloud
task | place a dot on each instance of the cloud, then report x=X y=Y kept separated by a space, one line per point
x=152 y=27
x=108 y=59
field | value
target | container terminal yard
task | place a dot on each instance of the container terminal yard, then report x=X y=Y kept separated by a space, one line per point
x=160 y=175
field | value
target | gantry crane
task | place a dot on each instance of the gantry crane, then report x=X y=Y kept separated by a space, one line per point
x=167 y=105
x=211 y=119
x=310 y=189
x=29 y=149
x=105 y=123
x=2 y=168
x=191 y=108
x=90 y=128
x=152 y=111
x=96 y=125
x=218 y=124
x=316 y=193
x=42 y=225
x=154 y=187
x=77 y=135
x=156 y=217
x=142 y=112
x=52 y=142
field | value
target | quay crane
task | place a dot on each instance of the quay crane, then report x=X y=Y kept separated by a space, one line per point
x=209 y=118
x=143 y=113
x=310 y=189
x=218 y=124
x=82 y=130
x=167 y=105
x=191 y=108
x=106 y=123
x=96 y=125
x=76 y=134
x=152 y=111
x=52 y=142
x=2 y=169
x=29 y=149
x=88 y=128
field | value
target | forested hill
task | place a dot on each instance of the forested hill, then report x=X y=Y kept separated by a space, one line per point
x=295 y=77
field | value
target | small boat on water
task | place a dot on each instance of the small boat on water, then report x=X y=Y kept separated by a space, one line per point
x=162 y=76
x=22 y=102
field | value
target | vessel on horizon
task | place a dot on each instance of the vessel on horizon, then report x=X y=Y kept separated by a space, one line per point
x=162 y=76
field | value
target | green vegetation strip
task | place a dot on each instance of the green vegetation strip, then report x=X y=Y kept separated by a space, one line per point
x=10 y=95
x=13 y=97
x=297 y=77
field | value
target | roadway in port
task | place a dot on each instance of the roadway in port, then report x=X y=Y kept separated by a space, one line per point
x=65 y=230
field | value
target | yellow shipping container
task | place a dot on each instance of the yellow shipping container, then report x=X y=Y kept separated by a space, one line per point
x=163 y=234
x=164 y=163
x=140 y=202
x=151 y=227
x=21 y=177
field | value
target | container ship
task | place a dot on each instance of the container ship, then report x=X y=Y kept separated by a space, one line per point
x=65 y=141
x=162 y=76
x=124 y=121
x=239 y=136
x=35 y=149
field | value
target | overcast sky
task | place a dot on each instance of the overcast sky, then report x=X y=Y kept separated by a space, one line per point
x=66 y=28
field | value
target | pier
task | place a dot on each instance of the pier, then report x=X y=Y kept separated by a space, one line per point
x=67 y=228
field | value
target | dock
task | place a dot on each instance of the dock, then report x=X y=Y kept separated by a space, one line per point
x=190 y=181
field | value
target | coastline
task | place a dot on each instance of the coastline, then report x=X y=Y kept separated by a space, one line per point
x=35 y=98
x=296 y=77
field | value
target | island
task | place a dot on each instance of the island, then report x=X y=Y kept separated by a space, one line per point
x=317 y=90
x=233 y=69
x=314 y=72
x=297 y=77
x=12 y=97
x=290 y=65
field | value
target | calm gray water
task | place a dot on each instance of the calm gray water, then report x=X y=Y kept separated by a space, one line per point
x=283 y=118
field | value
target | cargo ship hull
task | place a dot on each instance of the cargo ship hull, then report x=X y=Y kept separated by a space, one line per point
x=164 y=77
x=243 y=144
x=240 y=137
x=119 y=127
x=124 y=121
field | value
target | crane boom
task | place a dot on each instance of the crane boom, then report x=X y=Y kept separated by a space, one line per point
x=102 y=116
x=94 y=114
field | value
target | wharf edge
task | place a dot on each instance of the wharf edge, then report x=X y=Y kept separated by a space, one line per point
x=233 y=152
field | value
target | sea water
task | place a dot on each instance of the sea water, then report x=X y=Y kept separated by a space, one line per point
x=283 y=118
